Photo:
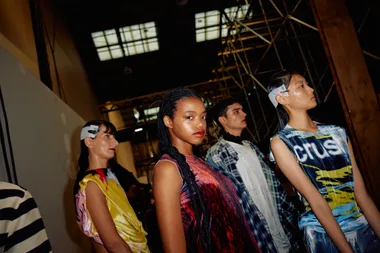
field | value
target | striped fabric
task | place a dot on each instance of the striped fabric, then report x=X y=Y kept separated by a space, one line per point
x=21 y=225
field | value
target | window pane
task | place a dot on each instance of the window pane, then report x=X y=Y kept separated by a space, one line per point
x=200 y=36
x=112 y=39
x=150 y=24
x=121 y=31
x=111 y=36
x=131 y=48
x=126 y=51
x=116 y=52
x=135 y=32
x=100 y=41
x=224 y=30
x=139 y=47
x=232 y=12
x=151 y=45
x=104 y=54
x=212 y=33
x=149 y=32
x=212 y=18
x=97 y=34
x=127 y=34
x=200 y=20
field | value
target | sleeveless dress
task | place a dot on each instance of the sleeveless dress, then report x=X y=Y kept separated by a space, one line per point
x=325 y=159
x=127 y=225
x=229 y=229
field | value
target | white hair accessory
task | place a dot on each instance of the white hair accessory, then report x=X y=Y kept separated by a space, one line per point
x=89 y=131
x=278 y=91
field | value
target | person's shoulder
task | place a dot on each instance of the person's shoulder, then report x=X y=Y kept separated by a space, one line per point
x=220 y=144
x=166 y=171
x=14 y=195
x=276 y=143
x=12 y=189
x=95 y=173
x=99 y=176
x=10 y=186
x=165 y=164
x=280 y=134
x=215 y=149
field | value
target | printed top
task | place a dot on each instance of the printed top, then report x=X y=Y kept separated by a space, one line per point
x=325 y=159
x=229 y=230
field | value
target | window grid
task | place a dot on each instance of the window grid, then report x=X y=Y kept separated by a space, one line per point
x=207 y=24
x=126 y=41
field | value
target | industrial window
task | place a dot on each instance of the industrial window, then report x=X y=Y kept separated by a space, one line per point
x=208 y=24
x=126 y=41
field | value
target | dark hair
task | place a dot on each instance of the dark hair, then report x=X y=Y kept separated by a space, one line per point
x=278 y=79
x=167 y=108
x=83 y=162
x=220 y=109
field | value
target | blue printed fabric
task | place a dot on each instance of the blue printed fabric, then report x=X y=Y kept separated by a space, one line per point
x=325 y=159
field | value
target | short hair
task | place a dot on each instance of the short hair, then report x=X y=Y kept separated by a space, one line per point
x=220 y=109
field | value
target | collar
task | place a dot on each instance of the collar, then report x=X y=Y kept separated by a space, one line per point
x=236 y=139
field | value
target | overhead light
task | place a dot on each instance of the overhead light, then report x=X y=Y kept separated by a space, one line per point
x=138 y=129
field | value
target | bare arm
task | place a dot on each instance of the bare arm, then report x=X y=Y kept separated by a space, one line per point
x=365 y=201
x=291 y=169
x=97 y=206
x=167 y=184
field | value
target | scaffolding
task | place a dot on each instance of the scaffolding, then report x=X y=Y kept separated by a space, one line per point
x=272 y=36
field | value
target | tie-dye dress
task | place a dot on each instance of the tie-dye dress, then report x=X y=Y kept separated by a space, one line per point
x=228 y=228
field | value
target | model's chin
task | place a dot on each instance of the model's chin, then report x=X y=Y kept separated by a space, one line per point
x=110 y=156
x=313 y=105
x=197 y=142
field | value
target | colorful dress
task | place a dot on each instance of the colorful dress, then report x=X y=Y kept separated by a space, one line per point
x=324 y=158
x=229 y=229
x=128 y=226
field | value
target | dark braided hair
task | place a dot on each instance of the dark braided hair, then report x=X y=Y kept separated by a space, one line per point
x=167 y=108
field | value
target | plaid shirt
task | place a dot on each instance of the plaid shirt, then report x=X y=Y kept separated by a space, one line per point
x=224 y=158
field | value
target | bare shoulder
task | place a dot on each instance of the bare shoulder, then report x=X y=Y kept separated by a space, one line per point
x=166 y=173
x=93 y=189
x=276 y=143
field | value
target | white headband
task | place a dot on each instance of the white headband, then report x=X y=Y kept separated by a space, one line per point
x=89 y=131
x=278 y=91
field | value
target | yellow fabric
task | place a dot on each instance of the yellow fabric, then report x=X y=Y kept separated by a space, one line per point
x=127 y=224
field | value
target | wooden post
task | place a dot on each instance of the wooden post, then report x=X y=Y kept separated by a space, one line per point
x=357 y=95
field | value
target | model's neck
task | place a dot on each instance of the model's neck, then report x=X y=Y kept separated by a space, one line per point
x=96 y=162
x=183 y=147
x=234 y=132
x=302 y=121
